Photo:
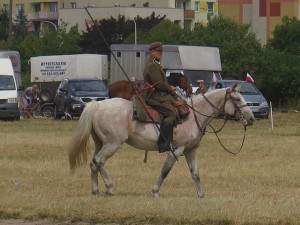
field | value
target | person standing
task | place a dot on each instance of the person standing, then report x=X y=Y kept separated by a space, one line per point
x=30 y=94
x=202 y=89
x=162 y=97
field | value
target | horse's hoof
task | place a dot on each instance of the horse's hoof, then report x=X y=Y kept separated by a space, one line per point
x=108 y=193
x=96 y=192
x=154 y=194
x=201 y=195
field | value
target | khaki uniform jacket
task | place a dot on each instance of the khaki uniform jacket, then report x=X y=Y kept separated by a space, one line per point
x=153 y=73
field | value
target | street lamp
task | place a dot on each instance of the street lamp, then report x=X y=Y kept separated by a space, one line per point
x=135 y=36
x=46 y=21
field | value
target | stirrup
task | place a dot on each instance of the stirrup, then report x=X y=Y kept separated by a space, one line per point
x=166 y=148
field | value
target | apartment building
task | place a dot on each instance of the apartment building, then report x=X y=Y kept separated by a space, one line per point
x=262 y=15
x=48 y=13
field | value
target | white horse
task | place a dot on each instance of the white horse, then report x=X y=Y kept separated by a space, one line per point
x=110 y=123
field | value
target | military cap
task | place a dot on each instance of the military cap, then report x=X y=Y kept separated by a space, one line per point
x=157 y=46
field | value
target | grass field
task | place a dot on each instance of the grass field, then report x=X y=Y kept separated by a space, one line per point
x=260 y=185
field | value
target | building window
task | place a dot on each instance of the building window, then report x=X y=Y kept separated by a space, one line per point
x=197 y=6
x=263 y=8
x=179 y=4
x=210 y=7
x=5 y=7
x=37 y=7
x=53 y=7
x=20 y=7
x=275 y=9
x=73 y=5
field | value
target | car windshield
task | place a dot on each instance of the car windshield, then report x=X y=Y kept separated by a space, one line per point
x=246 y=88
x=87 y=85
x=7 y=83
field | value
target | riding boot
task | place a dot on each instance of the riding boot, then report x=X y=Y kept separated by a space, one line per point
x=165 y=138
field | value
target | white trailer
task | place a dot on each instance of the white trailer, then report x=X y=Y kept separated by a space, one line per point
x=196 y=62
x=49 y=71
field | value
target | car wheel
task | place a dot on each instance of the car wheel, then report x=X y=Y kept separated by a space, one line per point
x=46 y=95
x=47 y=111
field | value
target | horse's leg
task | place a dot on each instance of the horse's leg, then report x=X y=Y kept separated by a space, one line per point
x=165 y=170
x=94 y=169
x=192 y=161
x=98 y=163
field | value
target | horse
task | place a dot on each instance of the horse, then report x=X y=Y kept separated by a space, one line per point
x=110 y=123
x=125 y=89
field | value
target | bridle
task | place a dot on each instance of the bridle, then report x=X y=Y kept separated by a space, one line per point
x=226 y=117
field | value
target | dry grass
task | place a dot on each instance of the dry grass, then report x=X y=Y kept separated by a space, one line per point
x=261 y=185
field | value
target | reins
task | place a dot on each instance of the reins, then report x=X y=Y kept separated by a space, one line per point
x=226 y=118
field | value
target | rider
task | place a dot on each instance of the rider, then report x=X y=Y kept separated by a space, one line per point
x=162 y=97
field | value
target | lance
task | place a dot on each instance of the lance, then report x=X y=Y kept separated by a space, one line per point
x=133 y=88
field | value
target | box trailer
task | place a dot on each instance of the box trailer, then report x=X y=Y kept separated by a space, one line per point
x=49 y=71
x=196 y=62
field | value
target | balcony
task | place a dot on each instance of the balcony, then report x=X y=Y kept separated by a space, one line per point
x=189 y=14
x=43 y=15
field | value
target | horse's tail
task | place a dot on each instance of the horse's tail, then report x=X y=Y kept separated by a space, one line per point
x=78 y=147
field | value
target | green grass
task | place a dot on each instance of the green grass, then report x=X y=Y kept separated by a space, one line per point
x=260 y=185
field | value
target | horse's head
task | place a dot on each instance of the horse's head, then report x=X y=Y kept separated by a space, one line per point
x=236 y=107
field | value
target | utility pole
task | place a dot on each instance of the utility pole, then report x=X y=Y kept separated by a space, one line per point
x=9 y=38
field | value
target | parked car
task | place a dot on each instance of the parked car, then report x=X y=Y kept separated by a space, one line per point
x=73 y=94
x=254 y=98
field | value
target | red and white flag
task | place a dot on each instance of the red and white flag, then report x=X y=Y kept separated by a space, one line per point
x=214 y=79
x=249 y=78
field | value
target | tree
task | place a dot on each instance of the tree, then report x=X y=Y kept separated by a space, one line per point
x=239 y=49
x=286 y=36
x=20 y=30
x=166 y=32
x=3 y=24
x=61 y=41
x=114 y=31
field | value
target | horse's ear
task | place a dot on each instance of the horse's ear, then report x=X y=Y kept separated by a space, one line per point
x=236 y=86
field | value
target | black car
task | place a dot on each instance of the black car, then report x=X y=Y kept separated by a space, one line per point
x=73 y=94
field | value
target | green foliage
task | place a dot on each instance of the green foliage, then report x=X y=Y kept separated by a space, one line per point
x=61 y=41
x=284 y=50
x=166 y=32
x=238 y=48
x=115 y=31
x=3 y=24
x=20 y=30
x=286 y=36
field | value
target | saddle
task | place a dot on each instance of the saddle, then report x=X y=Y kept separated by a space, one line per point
x=145 y=113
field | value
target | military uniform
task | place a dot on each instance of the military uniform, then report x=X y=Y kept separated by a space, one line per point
x=161 y=99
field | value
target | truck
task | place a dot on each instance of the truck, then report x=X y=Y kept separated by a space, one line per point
x=16 y=63
x=195 y=62
x=48 y=72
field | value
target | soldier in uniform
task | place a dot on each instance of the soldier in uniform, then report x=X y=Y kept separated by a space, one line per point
x=162 y=97
x=202 y=89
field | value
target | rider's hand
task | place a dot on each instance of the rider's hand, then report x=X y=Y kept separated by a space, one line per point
x=173 y=89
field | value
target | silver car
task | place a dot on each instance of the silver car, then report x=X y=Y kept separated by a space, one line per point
x=254 y=98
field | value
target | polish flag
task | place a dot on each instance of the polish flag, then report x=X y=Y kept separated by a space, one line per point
x=214 y=79
x=249 y=78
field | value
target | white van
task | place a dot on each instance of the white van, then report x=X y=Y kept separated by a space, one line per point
x=9 y=107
